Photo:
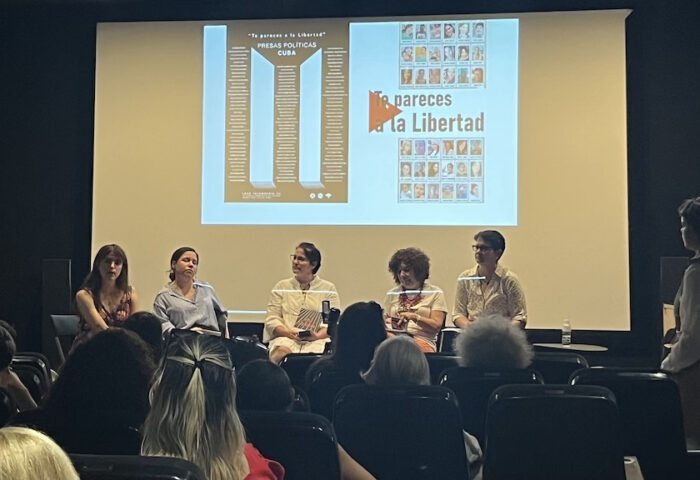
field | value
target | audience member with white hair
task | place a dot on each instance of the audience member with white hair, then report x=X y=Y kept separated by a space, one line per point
x=493 y=343
x=26 y=454
x=399 y=361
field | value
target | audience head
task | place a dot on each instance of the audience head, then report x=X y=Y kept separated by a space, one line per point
x=360 y=329
x=312 y=254
x=689 y=211
x=263 y=385
x=7 y=347
x=30 y=455
x=193 y=409
x=177 y=255
x=398 y=361
x=493 y=343
x=148 y=327
x=109 y=374
x=410 y=260
x=101 y=265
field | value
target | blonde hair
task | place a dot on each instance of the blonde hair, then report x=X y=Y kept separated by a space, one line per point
x=398 y=361
x=493 y=343
x=26 y=454
x=193 y=410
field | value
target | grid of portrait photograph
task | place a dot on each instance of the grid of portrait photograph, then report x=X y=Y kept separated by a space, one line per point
x=444 y=53
x=441 y=169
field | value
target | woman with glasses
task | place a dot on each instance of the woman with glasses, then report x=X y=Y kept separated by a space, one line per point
x=186 y=303
x=414 y=306
x=488 y=288
x=295 y=305
x=193 y=413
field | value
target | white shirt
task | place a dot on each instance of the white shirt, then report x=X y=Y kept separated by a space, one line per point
x=503 y=295
x=287 y=299
x=686 y=351
x=432 y=298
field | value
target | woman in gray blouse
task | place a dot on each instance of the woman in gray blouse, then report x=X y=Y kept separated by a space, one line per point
x=186 y=303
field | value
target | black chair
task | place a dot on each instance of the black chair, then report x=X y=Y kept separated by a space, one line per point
x=296 y=365
x=305 y=444
x=8 y=409
x=133 y=467
x=65 y=328
x=406 y=433
x=325 y=386
x=40 y=362
x=651 y=417
x=243 y=350
x=553 y=432
x=446 y=339
x=250 y=330
x=473 y=389
x=438 y=363
x=557 y=367
x=32 y=378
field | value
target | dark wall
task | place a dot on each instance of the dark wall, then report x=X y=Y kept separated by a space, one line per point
x=46 y=109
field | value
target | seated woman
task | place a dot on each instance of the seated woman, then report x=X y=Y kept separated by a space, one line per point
x=186 y=303
x=415 y=305
x=265 y=386
x=100 y=400
x=9 y=381
x=360 y=330
x=105 y=298
x=399 y=362
x=493 y=343
x=305 y=290
x=193 y=413
x=31 y=455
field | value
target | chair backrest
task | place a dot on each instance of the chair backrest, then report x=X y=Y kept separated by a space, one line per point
x=65 y=329
x=8 y=409
x=32 y=378
x=304 y=443
x=407 y=433
x=551 y=432
x=650 y=415
x=243 y=350
x=325 y=386
x=296 y=365
x=557 y=367
x=446 y=339
x=40 y=362
x=438 y=363
x=251 y=330
x=133 y=467
x=473 y=388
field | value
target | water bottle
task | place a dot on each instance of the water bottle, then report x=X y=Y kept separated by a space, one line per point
x=566 y=332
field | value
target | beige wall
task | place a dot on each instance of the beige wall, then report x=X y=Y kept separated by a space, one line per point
x=569 y=248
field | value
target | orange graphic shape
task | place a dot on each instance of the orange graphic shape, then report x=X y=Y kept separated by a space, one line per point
x=380 y=111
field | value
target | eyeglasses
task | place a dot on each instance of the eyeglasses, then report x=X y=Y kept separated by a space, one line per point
x=481 y=247
x=298 y=258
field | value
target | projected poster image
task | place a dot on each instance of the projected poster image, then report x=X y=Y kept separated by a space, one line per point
x=453 y=170
x=361 y=123
x=286 y=112
x=442 y=54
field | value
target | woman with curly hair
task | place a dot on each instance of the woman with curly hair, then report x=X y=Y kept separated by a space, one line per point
x=414 y=306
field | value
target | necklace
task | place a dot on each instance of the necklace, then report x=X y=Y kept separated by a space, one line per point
x=406 y=303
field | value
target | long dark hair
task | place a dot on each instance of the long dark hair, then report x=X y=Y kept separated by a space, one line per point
x=93 y=281
x=360 y=329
